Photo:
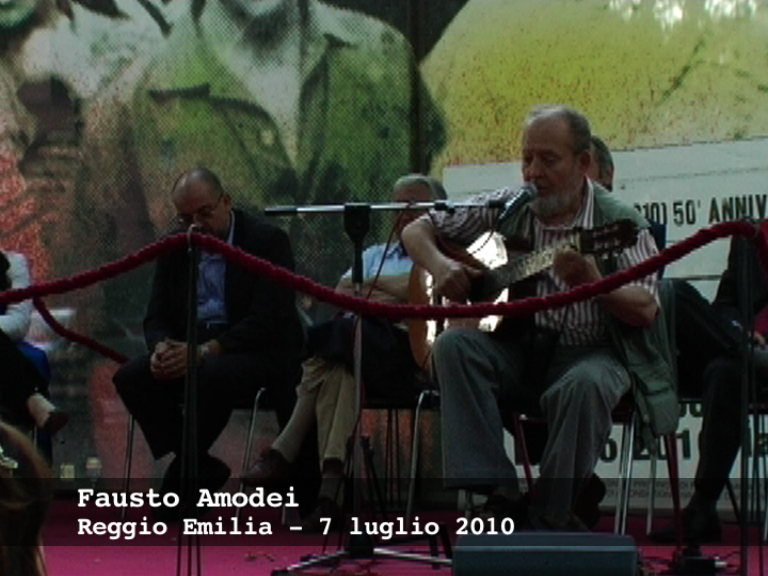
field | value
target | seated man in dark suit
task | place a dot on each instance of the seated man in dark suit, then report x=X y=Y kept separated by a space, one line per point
x=710 y=367
x=248 y=327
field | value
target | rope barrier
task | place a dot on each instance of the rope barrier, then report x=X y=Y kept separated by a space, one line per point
x=76 y=337
x=359 y=305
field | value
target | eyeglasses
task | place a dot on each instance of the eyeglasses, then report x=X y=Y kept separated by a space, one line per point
x=203 y=213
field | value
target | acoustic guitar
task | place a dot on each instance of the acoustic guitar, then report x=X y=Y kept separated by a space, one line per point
x=604 y=240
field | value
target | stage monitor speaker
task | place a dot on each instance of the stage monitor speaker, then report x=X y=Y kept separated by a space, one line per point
x=545 y=554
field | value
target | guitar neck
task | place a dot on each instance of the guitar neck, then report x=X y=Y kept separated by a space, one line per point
x=520 y=268
x=612 y=237
x=525 y=266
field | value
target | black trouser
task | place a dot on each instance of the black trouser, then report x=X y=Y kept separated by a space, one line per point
x=702 y=335
x=709 y=367
x=388 y=367
x=20 y=380
x=224 y=383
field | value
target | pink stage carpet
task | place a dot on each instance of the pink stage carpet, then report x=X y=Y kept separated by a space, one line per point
x=70 y=554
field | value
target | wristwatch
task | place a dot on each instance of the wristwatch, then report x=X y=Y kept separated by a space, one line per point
x=203 y=351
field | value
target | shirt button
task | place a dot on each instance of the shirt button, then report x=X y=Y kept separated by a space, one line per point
x=268 y=137
x=375 y=72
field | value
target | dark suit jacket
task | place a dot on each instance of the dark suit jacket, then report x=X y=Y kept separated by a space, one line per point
x=730 y=293
x=262 y=313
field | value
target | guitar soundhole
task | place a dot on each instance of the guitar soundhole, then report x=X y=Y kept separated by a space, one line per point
x=518 y=244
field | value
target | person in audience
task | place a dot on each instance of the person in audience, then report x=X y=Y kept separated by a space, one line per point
x=25 y=497
x=601 y=168
x=327 y=389
x=26 y=372
x=573 y=363
x=602 y=171
x=709 y=339
x=248 y=328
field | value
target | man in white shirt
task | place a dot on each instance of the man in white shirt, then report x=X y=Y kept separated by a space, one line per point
x=327 y=390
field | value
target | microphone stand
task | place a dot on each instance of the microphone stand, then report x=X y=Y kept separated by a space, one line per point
x=356 y=225
x=189 y=453
x=691 y=560
x=745 y=264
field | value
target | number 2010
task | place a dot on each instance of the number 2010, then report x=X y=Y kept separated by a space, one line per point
x=485 y=526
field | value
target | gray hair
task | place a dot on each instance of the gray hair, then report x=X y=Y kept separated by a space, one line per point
x=434 y=185
x=581 y=135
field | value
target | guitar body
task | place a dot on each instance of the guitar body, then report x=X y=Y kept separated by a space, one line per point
x=485 y=253
x=418 y=329
x=490 y=255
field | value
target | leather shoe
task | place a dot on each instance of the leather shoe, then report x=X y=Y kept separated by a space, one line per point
x=269 y=470
x=587 y=505
x=56 y=420
x=317 y=521
x=761 y=361
x=499 y=507
x=701 y=525
x=212 y=476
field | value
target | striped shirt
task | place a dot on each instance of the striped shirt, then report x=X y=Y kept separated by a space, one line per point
x=582 y=323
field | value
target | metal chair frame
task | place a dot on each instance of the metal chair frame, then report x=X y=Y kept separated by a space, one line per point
x=246 y=454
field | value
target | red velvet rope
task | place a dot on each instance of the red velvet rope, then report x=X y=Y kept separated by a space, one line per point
x=76 y=337
x=365 y=307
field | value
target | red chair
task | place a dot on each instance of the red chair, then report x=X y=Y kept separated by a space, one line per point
x=625 y=415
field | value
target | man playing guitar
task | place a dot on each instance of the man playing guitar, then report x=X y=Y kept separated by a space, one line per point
x=601 y=346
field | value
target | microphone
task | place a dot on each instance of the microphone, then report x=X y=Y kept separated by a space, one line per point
x=527 y=193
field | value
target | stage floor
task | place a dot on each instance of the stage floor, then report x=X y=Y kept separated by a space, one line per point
x=114 y=552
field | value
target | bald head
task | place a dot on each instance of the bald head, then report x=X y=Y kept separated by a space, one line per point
x=200 y=199
x=420 y=185
x=197 y=176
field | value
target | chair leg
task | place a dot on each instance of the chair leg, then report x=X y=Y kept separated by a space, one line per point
x=469 y=504
x=734 y=501
x=652 y=492
x=249 y=441
x=415 y=454
x=625 y=476
x=374 y=488
x=397 y=495
x=128 y=463
x=674 y=484
x=630 y=433
x=520 y=441
x=620 y=486
x=765 y=521
x=392 y=491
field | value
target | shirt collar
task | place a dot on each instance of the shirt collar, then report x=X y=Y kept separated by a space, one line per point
x=231 y=235
x=201 y=71
x=205 y=255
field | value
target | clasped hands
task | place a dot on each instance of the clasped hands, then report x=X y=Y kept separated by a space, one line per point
x=169 y=360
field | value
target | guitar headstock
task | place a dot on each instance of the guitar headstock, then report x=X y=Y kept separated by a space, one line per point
x=612 y=237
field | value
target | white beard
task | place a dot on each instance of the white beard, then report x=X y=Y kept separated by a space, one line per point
x=553 y=205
